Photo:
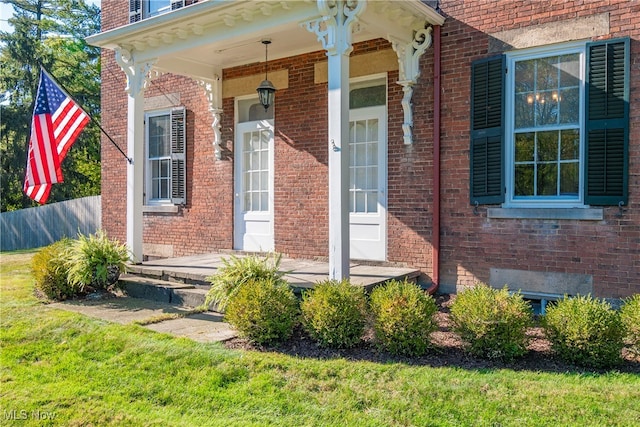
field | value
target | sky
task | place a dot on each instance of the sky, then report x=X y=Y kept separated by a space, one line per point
x=6 y=11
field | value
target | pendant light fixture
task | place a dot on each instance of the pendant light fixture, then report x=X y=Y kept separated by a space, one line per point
x=266 y=90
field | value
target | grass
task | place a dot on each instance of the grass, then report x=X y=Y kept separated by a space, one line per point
x=84 y=371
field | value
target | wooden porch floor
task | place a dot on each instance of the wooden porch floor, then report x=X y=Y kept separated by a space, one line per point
x=301 y=274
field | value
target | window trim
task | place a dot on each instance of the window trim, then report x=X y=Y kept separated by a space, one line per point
x=148 y=201
x=606 y=126
x=510 y=200
x=177 y=157
x=139 y=9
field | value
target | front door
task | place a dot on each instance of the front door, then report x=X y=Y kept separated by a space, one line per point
x=254 y=144
x=367 y=183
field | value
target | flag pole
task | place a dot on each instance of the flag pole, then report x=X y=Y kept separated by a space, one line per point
x=91 y=118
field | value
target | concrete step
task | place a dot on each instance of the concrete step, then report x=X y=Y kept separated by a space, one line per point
x=179 y=276
x=190 y=289
x=163 y=291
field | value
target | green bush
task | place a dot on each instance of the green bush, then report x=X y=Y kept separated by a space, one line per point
x=492 y=322
x=96 y=261
x=403 y=317
x=263 y=310
x=585 y=331
x=50 y=271
x=334 y=313
x=237 y=271
x=630 y=316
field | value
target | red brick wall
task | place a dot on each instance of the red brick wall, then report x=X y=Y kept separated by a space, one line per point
x=471 y=245
x=114 y=102
x=301 y=182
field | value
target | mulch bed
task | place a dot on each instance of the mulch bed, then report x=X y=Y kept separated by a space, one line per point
x=448 y=350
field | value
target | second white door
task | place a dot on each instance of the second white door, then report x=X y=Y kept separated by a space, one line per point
x=367 y=183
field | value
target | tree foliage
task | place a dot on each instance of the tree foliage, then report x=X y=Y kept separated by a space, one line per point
x=48 y=33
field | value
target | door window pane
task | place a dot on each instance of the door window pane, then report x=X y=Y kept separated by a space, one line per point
x=368 y=96
x=255 y=171
x=363 y=149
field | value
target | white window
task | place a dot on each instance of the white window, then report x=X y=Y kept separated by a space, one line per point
x=550 y=126
x=155 y=7
x=165 y=157
x=545 y=132
x=142 y=9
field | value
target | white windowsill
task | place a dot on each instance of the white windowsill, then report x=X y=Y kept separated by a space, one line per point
x=582 y=214
x=160 y=209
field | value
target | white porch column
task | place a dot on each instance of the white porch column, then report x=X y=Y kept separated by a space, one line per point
x=334 y=31
x=137 y=74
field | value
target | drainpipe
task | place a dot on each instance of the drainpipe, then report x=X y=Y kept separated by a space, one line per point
x=435 y=229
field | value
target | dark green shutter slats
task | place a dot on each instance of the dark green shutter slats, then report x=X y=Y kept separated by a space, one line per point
x=487 y=135
x=176 y=4
x=606 y=81
x=135 y=10
x=607 y=125
x=178 y=157
x=606 y=159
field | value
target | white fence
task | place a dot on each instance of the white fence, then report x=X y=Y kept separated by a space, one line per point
x=43 y=225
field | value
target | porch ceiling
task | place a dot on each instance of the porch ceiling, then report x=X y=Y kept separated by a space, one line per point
x=202 y=39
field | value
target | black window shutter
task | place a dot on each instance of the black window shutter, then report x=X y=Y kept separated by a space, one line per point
x=487 y=131
x=178 y=157
x=135 y=10
x=607 y=125
x=176 y=4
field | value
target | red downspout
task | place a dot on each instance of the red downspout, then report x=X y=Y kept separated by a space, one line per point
x=435 y=229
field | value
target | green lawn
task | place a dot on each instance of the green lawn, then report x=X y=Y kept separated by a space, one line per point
x=82 y=371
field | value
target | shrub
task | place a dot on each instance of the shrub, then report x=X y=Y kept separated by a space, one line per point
x=50 y=271
x=585 y=331
x=334 y=313
x=96 y=261
x=263 y=310
x=630 y=316
x=403 y=317
x=492 y=322
x=237 y=271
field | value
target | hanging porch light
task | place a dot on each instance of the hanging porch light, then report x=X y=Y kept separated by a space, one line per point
x=266 y=90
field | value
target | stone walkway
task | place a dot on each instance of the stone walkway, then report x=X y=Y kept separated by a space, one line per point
x=157 y=316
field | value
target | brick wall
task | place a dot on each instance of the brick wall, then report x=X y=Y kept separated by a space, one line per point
x=471 y=244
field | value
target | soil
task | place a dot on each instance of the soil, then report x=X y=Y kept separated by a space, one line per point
x=447 y=350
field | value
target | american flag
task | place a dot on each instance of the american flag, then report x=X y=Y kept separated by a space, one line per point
x=57 y=122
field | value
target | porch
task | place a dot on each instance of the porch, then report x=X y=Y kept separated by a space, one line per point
x=183 y=281
x=206 y=42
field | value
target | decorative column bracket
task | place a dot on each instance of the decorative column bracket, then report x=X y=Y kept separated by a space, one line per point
x=213 y=92
x=335 y=26
x=138 y=74
x=409 y=54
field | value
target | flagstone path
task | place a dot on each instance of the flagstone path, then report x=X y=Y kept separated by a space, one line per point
x=165 y=318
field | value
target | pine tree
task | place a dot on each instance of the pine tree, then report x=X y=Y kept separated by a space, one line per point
x=48 y=33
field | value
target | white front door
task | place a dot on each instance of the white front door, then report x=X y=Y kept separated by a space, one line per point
x=254 y=144
x=367 y=183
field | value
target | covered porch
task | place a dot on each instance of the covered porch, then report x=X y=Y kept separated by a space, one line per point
x=183 y=280
x=202 y=40
x=302 y=274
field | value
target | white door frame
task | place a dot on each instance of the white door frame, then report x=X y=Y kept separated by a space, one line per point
x=372 y=246
x=253 y=231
